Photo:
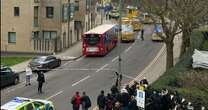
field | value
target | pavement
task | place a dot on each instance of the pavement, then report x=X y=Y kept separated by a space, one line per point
x=69 y=54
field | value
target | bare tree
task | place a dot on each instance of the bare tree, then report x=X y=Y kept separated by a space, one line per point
x=190 y=13
x=165 y=12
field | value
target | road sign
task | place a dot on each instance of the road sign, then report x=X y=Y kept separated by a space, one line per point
x=140 y=98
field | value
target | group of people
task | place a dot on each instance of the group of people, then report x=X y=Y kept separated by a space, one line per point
x=121 y=100
x=40 y=78
x=167 y=100
x=83 y=101
x=116 y=100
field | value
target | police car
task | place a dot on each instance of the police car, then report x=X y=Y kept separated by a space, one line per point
x=20 y=103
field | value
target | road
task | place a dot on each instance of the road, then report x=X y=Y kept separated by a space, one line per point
x=89 y=74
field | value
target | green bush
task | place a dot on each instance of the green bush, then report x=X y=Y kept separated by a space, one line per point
x=175 y=78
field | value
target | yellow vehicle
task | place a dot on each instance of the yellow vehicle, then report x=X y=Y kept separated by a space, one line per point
x=20 y=103
x=137 y=25
x=132 y=12
x=125 y=20
x=127 y=33
x=147 y=18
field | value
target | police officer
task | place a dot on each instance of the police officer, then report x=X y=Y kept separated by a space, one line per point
x=41 y=80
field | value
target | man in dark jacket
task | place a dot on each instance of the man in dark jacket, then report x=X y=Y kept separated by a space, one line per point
x=41 y=80
x=133 y=104
x=125 y=98
x=101 y=101
x=85 y=101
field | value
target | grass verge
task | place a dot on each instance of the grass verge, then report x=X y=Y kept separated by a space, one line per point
x=190 y=83
x=10 y=61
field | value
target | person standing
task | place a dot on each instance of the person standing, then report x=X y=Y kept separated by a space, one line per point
x=133 y=104
x=101 y=100
x=28 y=74
x=41 y=80
x=76 y=101
x=85 y=101
x=142 y=34
x=109 y=102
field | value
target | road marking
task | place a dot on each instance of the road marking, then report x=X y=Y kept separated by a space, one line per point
x=54 y=95
x=81 y=80
x=128 y=49
x=115 y=59
x=102 y=67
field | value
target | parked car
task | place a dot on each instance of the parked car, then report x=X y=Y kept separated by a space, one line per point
x=44 y=63
x=8 y=77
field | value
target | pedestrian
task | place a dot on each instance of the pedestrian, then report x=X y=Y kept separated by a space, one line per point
x=101 y=100
x=133 y=104
x=41 y=80
x=85 y=101
x=142 y=34
x=114 y=90
x=144 y=82
x=125 y=98
x=28 y=74
x=76 y=101
x=109 y=102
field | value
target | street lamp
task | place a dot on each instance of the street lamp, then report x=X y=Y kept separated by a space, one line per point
x=119 y=43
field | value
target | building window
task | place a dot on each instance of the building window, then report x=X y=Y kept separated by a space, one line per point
x=16 y=11
x=49 y=34
x=35 y=34
x=49 y=12
x=35 y=16
x=76 y=5
x=12 y=37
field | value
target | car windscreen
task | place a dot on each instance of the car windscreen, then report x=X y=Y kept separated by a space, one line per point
x=39 y=59
x=92 y=39
x=126 y=28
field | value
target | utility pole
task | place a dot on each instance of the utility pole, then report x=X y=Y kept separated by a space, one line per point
x=119 y=45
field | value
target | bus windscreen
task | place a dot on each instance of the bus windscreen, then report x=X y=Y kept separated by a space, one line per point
x=92 y=39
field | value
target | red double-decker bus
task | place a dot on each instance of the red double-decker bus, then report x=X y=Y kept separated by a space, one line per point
x=99 y=40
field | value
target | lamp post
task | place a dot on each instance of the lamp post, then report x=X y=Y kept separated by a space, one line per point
x=119 y=43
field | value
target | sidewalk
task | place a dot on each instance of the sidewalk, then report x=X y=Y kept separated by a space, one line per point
x=72 y=53
x=157 y=67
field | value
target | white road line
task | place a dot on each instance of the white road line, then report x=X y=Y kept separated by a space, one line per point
x=115 y=59
x=81 y=80
x=128 y=49
x=102 y=67
x=54 y=95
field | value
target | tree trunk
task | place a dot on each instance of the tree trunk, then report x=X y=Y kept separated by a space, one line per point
x=185 y=41
x=169 y=57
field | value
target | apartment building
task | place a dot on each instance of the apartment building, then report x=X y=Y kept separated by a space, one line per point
x=40 y=26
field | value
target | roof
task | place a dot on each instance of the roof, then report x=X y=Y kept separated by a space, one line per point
x=13 y=104
x=100 y=29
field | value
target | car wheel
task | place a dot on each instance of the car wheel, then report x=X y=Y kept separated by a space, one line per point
x=16 y=81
